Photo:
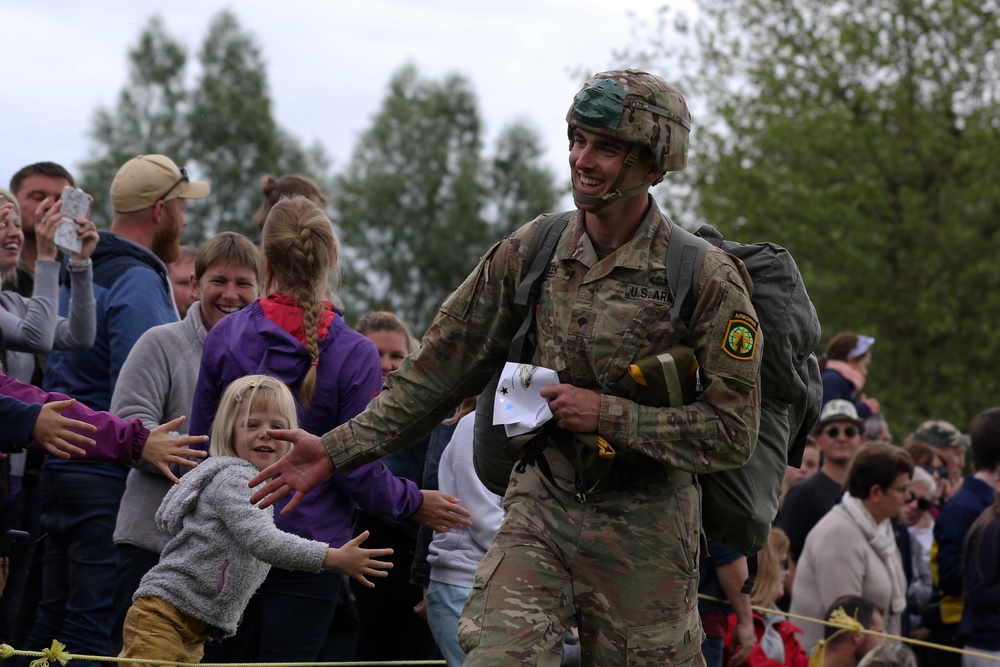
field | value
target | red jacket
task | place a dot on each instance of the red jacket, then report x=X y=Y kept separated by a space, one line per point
x=795 y=655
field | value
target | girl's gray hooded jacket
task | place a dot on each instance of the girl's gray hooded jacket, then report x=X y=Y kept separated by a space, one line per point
x=221 y=547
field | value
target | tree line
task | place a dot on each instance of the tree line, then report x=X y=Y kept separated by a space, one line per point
x=418 y=202
x=861 y=135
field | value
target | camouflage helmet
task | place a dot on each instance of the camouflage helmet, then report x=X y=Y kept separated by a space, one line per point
x=637 y=108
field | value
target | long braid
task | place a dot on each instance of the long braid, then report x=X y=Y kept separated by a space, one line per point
x=312 y=309
x=301 y=248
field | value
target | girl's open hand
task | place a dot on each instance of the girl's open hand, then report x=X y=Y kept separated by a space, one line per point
x=358 y=563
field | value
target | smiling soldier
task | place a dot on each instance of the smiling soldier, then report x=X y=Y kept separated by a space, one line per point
x=619 y=562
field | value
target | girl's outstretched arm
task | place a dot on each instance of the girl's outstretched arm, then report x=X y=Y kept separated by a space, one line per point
x=358 y=563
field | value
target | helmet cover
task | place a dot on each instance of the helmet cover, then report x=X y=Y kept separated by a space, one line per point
x=637 y=108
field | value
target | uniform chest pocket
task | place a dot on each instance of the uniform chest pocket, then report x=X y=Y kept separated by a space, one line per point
x=646 y=333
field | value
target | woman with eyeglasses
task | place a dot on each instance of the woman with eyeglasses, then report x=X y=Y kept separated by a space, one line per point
x=852 y=550
x=845 y=369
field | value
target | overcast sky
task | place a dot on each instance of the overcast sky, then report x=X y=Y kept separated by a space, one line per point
x=329 y=62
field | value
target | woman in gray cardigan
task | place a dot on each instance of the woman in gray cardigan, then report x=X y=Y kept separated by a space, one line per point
x=852 y=550
x=157 y=383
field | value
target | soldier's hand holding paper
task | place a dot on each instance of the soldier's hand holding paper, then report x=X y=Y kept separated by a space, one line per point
x=519 y=405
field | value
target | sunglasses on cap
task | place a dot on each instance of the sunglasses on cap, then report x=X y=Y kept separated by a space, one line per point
x=942 y=471
x=834 y=431
x=183 y=179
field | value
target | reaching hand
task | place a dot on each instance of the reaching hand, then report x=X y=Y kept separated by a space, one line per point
x=441 y=512
x=358 y=563
x=52 y=431
x=301 y=470
x=161 y=449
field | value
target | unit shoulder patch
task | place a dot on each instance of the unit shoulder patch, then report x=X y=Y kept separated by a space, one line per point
x=741 y=337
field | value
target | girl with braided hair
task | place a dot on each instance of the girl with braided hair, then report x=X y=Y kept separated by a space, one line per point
x=295 y=334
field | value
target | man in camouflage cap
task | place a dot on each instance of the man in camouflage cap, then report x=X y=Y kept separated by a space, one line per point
x=950 y=443
x=623 y=564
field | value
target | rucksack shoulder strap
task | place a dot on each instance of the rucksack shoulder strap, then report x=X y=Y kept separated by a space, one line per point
x=540 y=249
x=685 y=253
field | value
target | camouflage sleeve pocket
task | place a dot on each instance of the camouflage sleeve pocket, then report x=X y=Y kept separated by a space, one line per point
x=463 y=301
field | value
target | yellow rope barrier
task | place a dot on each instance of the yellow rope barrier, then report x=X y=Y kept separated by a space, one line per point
x=57 y=651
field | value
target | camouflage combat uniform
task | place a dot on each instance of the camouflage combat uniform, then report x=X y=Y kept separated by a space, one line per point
x=623 y=566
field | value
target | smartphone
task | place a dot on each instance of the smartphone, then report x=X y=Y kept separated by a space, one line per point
x=14 y=543
x=75 y=204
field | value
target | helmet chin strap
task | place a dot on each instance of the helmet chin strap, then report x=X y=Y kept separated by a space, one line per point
x=615 y=192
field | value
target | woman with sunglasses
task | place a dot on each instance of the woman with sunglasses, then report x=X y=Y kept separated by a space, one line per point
x=918 y=517
x=845 y=368
x=852 y=550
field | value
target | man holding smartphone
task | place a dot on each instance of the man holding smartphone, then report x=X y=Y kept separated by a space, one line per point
x=80 y=499
x=38 y=187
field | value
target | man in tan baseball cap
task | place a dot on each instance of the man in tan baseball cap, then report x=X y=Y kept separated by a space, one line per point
x=149 y=196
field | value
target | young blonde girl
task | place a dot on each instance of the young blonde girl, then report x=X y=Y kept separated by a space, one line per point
x=297 y=335
x=777 y=638
x=221 y=547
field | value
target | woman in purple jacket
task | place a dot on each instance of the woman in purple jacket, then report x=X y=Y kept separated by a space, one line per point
x=297 y=336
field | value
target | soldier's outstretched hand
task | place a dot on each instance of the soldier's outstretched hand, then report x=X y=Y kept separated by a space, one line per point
x=300 y=471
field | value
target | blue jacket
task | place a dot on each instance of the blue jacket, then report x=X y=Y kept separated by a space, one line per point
x=17 y=422
x=950 y=529
x=981 y=569
x=347 y=377
x=133 y=294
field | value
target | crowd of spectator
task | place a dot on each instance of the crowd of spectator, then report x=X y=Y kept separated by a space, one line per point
x=141 y=332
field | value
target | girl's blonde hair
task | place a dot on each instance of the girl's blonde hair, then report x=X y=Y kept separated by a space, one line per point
x=262 y=391
x=769 y=568
x=300 y=251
